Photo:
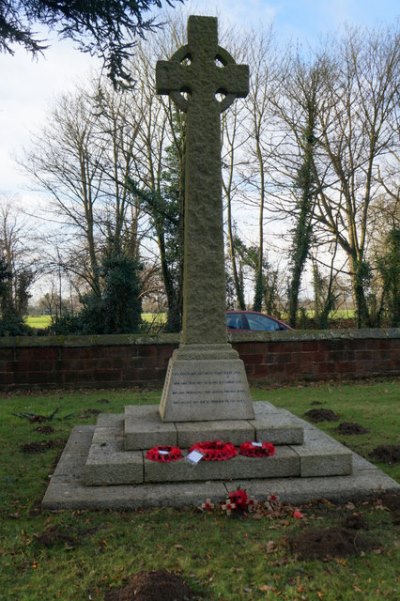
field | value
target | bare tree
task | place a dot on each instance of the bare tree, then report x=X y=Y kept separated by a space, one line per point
x=261 y=142
x=358 y=133
x=19 y=259
x=158 y=177
x=297 y=105
x=82 y=159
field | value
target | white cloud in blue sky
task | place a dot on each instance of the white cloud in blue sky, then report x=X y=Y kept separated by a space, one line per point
x=306 y=19
x=28 y=88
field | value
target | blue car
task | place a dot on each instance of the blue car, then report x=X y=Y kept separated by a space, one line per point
x=243 y=321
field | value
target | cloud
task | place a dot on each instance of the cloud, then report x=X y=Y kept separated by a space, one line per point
x=28 y=88
x=251 y=13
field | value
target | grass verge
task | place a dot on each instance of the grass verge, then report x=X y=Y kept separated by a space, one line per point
x=77 y=555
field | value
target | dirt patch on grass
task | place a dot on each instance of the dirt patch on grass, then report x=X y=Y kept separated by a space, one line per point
x=41 y=446
x=54 y=535
x=154 y=586
x=355 y=521
x=45 y=429
x=88 y=413
x=323 y=544
x=387 y=453
x=391 y=500
x=321 y=415
x=351 y=428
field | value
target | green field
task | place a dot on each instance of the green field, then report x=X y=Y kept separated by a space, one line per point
x=40 y=322
x=80 y=555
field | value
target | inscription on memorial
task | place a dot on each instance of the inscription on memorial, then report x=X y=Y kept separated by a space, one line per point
x=218 y=386
x=206 y=389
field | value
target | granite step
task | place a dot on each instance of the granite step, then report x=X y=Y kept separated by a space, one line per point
x=108 y=463
x=144 y=429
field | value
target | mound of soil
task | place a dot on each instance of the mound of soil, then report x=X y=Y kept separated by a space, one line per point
x=41 y=446
x=351 y=428
x=322 y=544
x=153 y=586
x=387 y=453
x=391 y=500
x=45 y=429
x=53 y=536
x=355 y=521
x=88 y=413
x=321 y=415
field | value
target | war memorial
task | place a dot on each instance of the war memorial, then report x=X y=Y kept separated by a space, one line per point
x=140 y=458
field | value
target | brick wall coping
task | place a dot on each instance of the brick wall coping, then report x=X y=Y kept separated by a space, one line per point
x=140 y=339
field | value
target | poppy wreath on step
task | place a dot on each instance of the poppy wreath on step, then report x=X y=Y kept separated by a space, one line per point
x=215 y=450
x=164 y=454
x=254 y=449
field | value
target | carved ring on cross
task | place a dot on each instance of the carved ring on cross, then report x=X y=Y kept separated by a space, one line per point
x=223 y=57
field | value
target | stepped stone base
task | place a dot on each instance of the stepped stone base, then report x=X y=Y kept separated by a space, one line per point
x=117 y=452
x=96 y=472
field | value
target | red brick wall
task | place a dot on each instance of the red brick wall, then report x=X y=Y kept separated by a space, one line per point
x=320 y=359
x=129 y=361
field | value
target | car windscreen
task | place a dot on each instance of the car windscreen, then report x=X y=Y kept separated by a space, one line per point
x=261 y=323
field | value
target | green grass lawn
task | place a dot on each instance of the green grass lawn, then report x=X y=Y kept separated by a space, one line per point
x=38 y=321
x=43 y=321
x=79 y=555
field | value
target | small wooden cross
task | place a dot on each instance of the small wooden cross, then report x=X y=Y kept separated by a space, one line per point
x=195 y=77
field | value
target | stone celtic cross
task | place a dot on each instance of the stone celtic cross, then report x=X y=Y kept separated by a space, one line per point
x=195 y=78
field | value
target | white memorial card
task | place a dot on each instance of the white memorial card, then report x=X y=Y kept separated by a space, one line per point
x=194 y=457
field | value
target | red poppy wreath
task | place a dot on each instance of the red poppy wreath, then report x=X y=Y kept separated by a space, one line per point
x=164 y=454
x=215 y=450
x=254 y=449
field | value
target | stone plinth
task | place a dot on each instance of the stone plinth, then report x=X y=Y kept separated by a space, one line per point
x=205 y=383
x=144 y=429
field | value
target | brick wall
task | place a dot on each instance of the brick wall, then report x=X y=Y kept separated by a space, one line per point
x=118 y=361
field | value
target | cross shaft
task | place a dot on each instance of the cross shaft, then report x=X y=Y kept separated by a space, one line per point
x=194 y=69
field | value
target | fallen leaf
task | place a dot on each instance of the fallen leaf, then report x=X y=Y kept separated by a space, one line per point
x=265 y=588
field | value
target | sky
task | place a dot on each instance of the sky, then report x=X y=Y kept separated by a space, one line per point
x=29 y=88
